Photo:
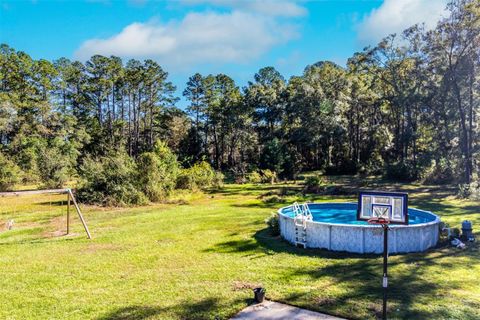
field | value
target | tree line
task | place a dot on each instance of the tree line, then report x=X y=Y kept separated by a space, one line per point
x=406 y=108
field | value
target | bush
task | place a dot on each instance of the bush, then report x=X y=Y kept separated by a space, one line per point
x=262 y=176
x=254 y=177
x=455 y=232
x=313 y=184
x=9 y=173
x=443 y=231
x=273 y=199
x=469 y=191
x=201 y=175
x=401 y=171
x=268 y=176
x=272 y=155
x=292 y=164
x=185 y=180
x=54 y=167
x=25 y=156
x=374 y=166
x=273 y=224
x=157 y=172
x=344 y=167
x=110 y=180
x=218 y=180
x=240 y=180
x=439 y=173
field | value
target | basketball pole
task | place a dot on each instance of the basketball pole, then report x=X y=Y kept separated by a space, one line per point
x=385 y=267
x=68 y=213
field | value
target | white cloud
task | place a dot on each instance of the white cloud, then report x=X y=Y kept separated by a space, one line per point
x=199 y=38
x=393 y=16
x=281 y=8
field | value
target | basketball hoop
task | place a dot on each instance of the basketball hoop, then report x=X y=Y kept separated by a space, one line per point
x=388 y=205
x=378 y=220
x=383 y=209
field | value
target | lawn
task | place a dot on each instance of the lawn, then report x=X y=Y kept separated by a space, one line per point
x=199 y=256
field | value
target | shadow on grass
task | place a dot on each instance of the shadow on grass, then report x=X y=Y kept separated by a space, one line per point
x=255 y=189
x=204 y=309
x=412 y=282
x=263 y=205
x=263 y=243
x=39 y=237
x=359 y=277
x=132 y=312
x=53 y=203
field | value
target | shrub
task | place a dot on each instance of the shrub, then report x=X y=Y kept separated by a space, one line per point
x=344 y=167
x=218 y=180
x=53 y=161
x=201 y=175
x=262 y=176
x=292 y=164
x=439 y=173
x=157 y=172
x=273 y=224
x=273 y=199
x=455 y=232
x=110 y=180
x=401 y=171
x=240 y=180
x=469 y=190
x=443 y=232
x=254 y=177
x=9 y=173
x=268 y=176
x=26 y=155
x=54 y=167
x=374 y=166
x=272 y=155
x=185 y=179
x=313 y=184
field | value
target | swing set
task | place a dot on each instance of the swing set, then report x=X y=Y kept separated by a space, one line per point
x=70 y=200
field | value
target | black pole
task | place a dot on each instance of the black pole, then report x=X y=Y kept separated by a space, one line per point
x=385 y=276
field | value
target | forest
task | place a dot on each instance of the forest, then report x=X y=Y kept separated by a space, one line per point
x=405 y=109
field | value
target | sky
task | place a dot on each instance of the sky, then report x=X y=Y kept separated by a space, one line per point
x=235 y=37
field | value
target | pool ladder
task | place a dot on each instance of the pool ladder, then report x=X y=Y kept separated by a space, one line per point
x=302 y=214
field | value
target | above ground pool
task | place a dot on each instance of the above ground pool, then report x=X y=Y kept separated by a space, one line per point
x=334 y=226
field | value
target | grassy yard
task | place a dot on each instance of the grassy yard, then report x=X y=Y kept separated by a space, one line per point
x=199 y=258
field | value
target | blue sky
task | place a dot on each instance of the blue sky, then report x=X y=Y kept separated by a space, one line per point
x=209 y=36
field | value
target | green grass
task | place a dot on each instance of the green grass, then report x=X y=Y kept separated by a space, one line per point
x=198 y=259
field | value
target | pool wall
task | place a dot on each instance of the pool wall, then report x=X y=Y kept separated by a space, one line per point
x=364 y=238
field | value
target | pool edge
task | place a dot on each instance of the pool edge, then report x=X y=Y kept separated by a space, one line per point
x=363 y=238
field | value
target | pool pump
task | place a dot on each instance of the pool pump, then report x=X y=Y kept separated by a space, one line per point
x=467 y=231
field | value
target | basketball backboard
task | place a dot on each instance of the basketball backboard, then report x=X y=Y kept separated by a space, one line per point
x=389 y=205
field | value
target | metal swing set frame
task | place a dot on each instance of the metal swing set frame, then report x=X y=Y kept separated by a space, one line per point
x=70 y=200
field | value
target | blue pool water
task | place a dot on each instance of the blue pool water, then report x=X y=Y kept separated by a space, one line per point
x=346 y=213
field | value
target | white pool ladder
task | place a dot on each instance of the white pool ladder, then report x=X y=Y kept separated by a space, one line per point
x=302 y=214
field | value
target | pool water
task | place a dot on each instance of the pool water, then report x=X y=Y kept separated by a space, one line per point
x=346 y=213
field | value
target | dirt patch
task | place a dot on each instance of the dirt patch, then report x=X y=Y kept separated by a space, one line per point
x=166 y=241
x=97 y=247
x=56 y=227
x=54 y=234
x=181 y=202
x=325 y=301
x=243 y=285
x=377 y=309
